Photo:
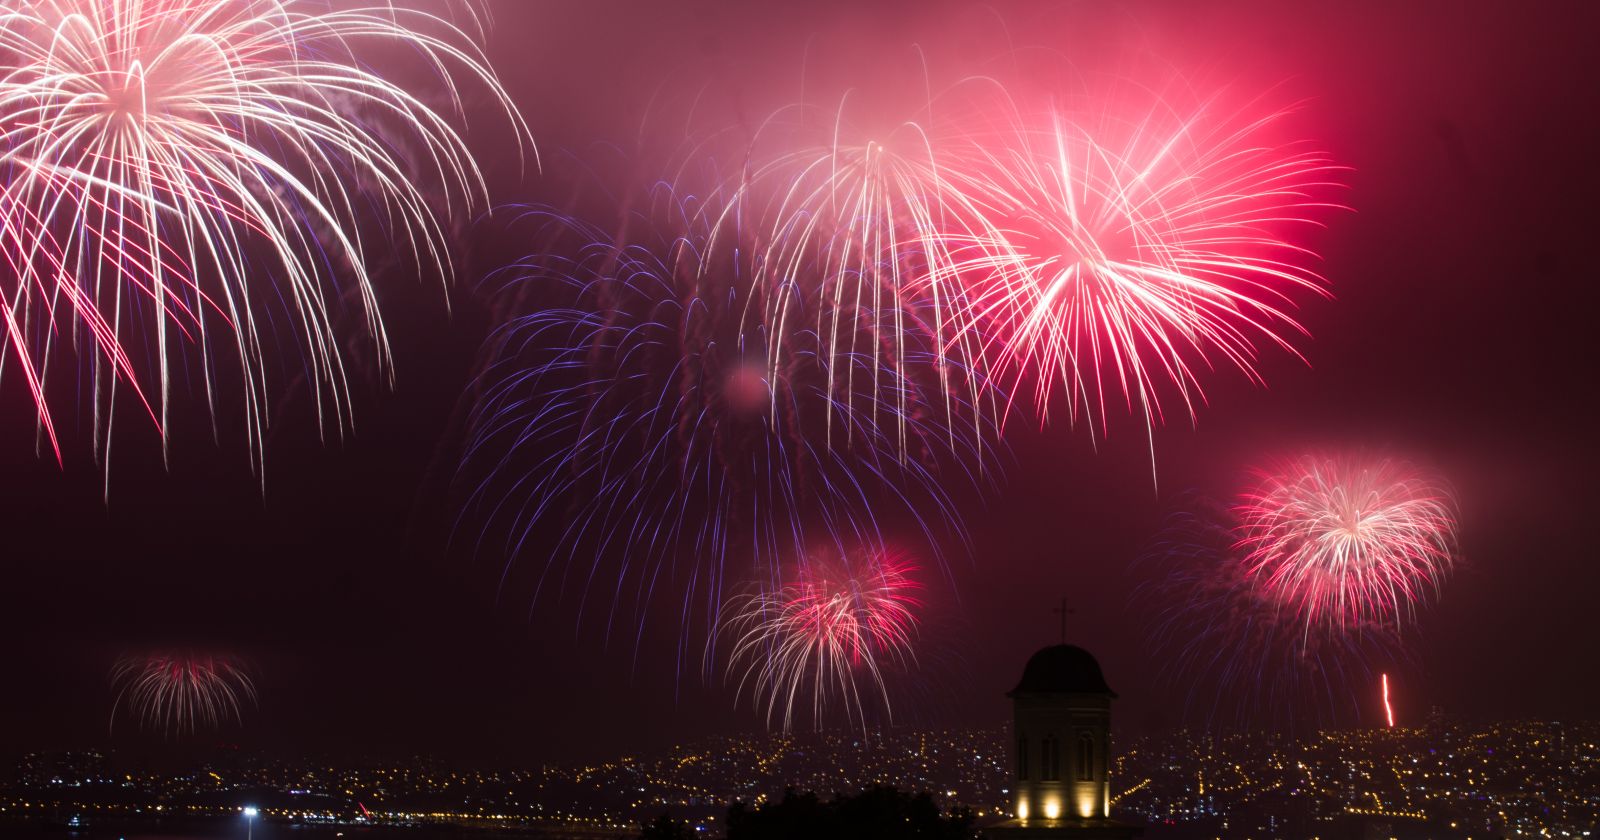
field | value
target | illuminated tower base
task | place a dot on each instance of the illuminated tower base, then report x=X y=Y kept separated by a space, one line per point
x=1061 y=755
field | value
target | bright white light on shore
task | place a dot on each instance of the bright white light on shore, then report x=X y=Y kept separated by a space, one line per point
x=250 y=812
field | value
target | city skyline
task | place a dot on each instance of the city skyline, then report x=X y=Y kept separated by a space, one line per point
x=1446 y=778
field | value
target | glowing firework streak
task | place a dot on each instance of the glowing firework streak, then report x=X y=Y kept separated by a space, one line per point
x=1347 y=541
x=1119 y=262
x=178 y=693
x=830 y=626
x=176 y=171
x=1388 y=710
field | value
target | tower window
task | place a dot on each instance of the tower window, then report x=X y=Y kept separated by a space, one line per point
x=1085 y=757
x=1050 y=759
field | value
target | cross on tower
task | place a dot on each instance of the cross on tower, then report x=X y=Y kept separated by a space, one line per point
x=1063 y=612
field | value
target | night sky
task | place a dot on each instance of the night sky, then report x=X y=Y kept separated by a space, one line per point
x=1458 y=336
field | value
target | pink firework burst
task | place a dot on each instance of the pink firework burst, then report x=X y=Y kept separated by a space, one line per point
x=177 y=177
x=1231 y=650
x=857 y=231
x=181 y=692
x=835 y=624
x=1125 y=258
x=1348 y=541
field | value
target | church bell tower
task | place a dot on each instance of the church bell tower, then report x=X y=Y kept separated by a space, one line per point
x=1061 y=740
x=1062 y=727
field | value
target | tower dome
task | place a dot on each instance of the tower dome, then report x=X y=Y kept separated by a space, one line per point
x=1062 y=669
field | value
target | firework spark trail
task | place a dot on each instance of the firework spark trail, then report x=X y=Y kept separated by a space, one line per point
x=833 y=625
x=1347 y=541
x=640 y=428
x=1388 y=710
x=178 y=693
x=174 y=166
x=1118 y=263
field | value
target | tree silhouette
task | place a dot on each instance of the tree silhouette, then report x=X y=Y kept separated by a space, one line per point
x=881 y=813
x=665 y=827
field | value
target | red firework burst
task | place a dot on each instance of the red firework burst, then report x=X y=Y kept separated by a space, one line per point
x=833 y=624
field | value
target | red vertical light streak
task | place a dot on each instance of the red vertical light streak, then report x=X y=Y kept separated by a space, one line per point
x=1388 y=710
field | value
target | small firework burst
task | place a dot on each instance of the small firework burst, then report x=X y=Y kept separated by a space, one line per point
x=820 y=636
x=179 y=693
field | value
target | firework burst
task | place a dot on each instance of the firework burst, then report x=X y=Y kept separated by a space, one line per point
x=1052 y=250
x=1232 y=650
x=1347 y=541
x=646 y=426
x=180 y=693
x=188 y=173
x=832 y=627
x=1120 y=260
x=852 y=232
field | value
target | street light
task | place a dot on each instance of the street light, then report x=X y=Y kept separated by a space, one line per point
x=250 y=821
